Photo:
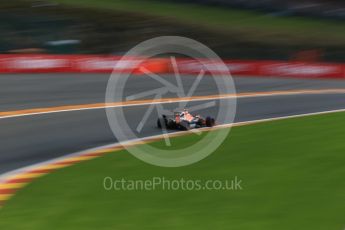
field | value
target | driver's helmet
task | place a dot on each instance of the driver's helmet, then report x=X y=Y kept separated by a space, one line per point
x=184 y=112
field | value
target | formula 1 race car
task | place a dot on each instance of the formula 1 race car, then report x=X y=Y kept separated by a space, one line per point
x=184 y=121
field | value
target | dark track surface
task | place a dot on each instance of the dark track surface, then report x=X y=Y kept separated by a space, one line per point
x=32 y=139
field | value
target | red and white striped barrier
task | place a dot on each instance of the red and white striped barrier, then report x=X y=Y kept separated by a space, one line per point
x=107 y=64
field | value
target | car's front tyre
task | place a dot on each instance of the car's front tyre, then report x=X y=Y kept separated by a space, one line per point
x=210 y=122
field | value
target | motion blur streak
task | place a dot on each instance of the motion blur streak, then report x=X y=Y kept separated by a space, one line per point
x=71 y=108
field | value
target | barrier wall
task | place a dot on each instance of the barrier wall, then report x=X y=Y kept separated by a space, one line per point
x=107 y=64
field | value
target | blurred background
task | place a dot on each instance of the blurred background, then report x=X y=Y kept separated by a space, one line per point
x=286 y=58
x=307 y=30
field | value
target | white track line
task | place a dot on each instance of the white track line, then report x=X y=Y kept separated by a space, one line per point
x=4 y=176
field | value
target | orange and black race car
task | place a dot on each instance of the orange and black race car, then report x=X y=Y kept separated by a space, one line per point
x=184 y=121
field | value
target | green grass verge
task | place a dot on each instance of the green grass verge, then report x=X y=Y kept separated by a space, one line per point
x=249 y=25
x=292 y=174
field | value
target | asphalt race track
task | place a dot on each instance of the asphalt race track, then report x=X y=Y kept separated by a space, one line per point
x=31 y=139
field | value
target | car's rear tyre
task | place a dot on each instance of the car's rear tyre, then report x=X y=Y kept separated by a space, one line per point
x=171 y=124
